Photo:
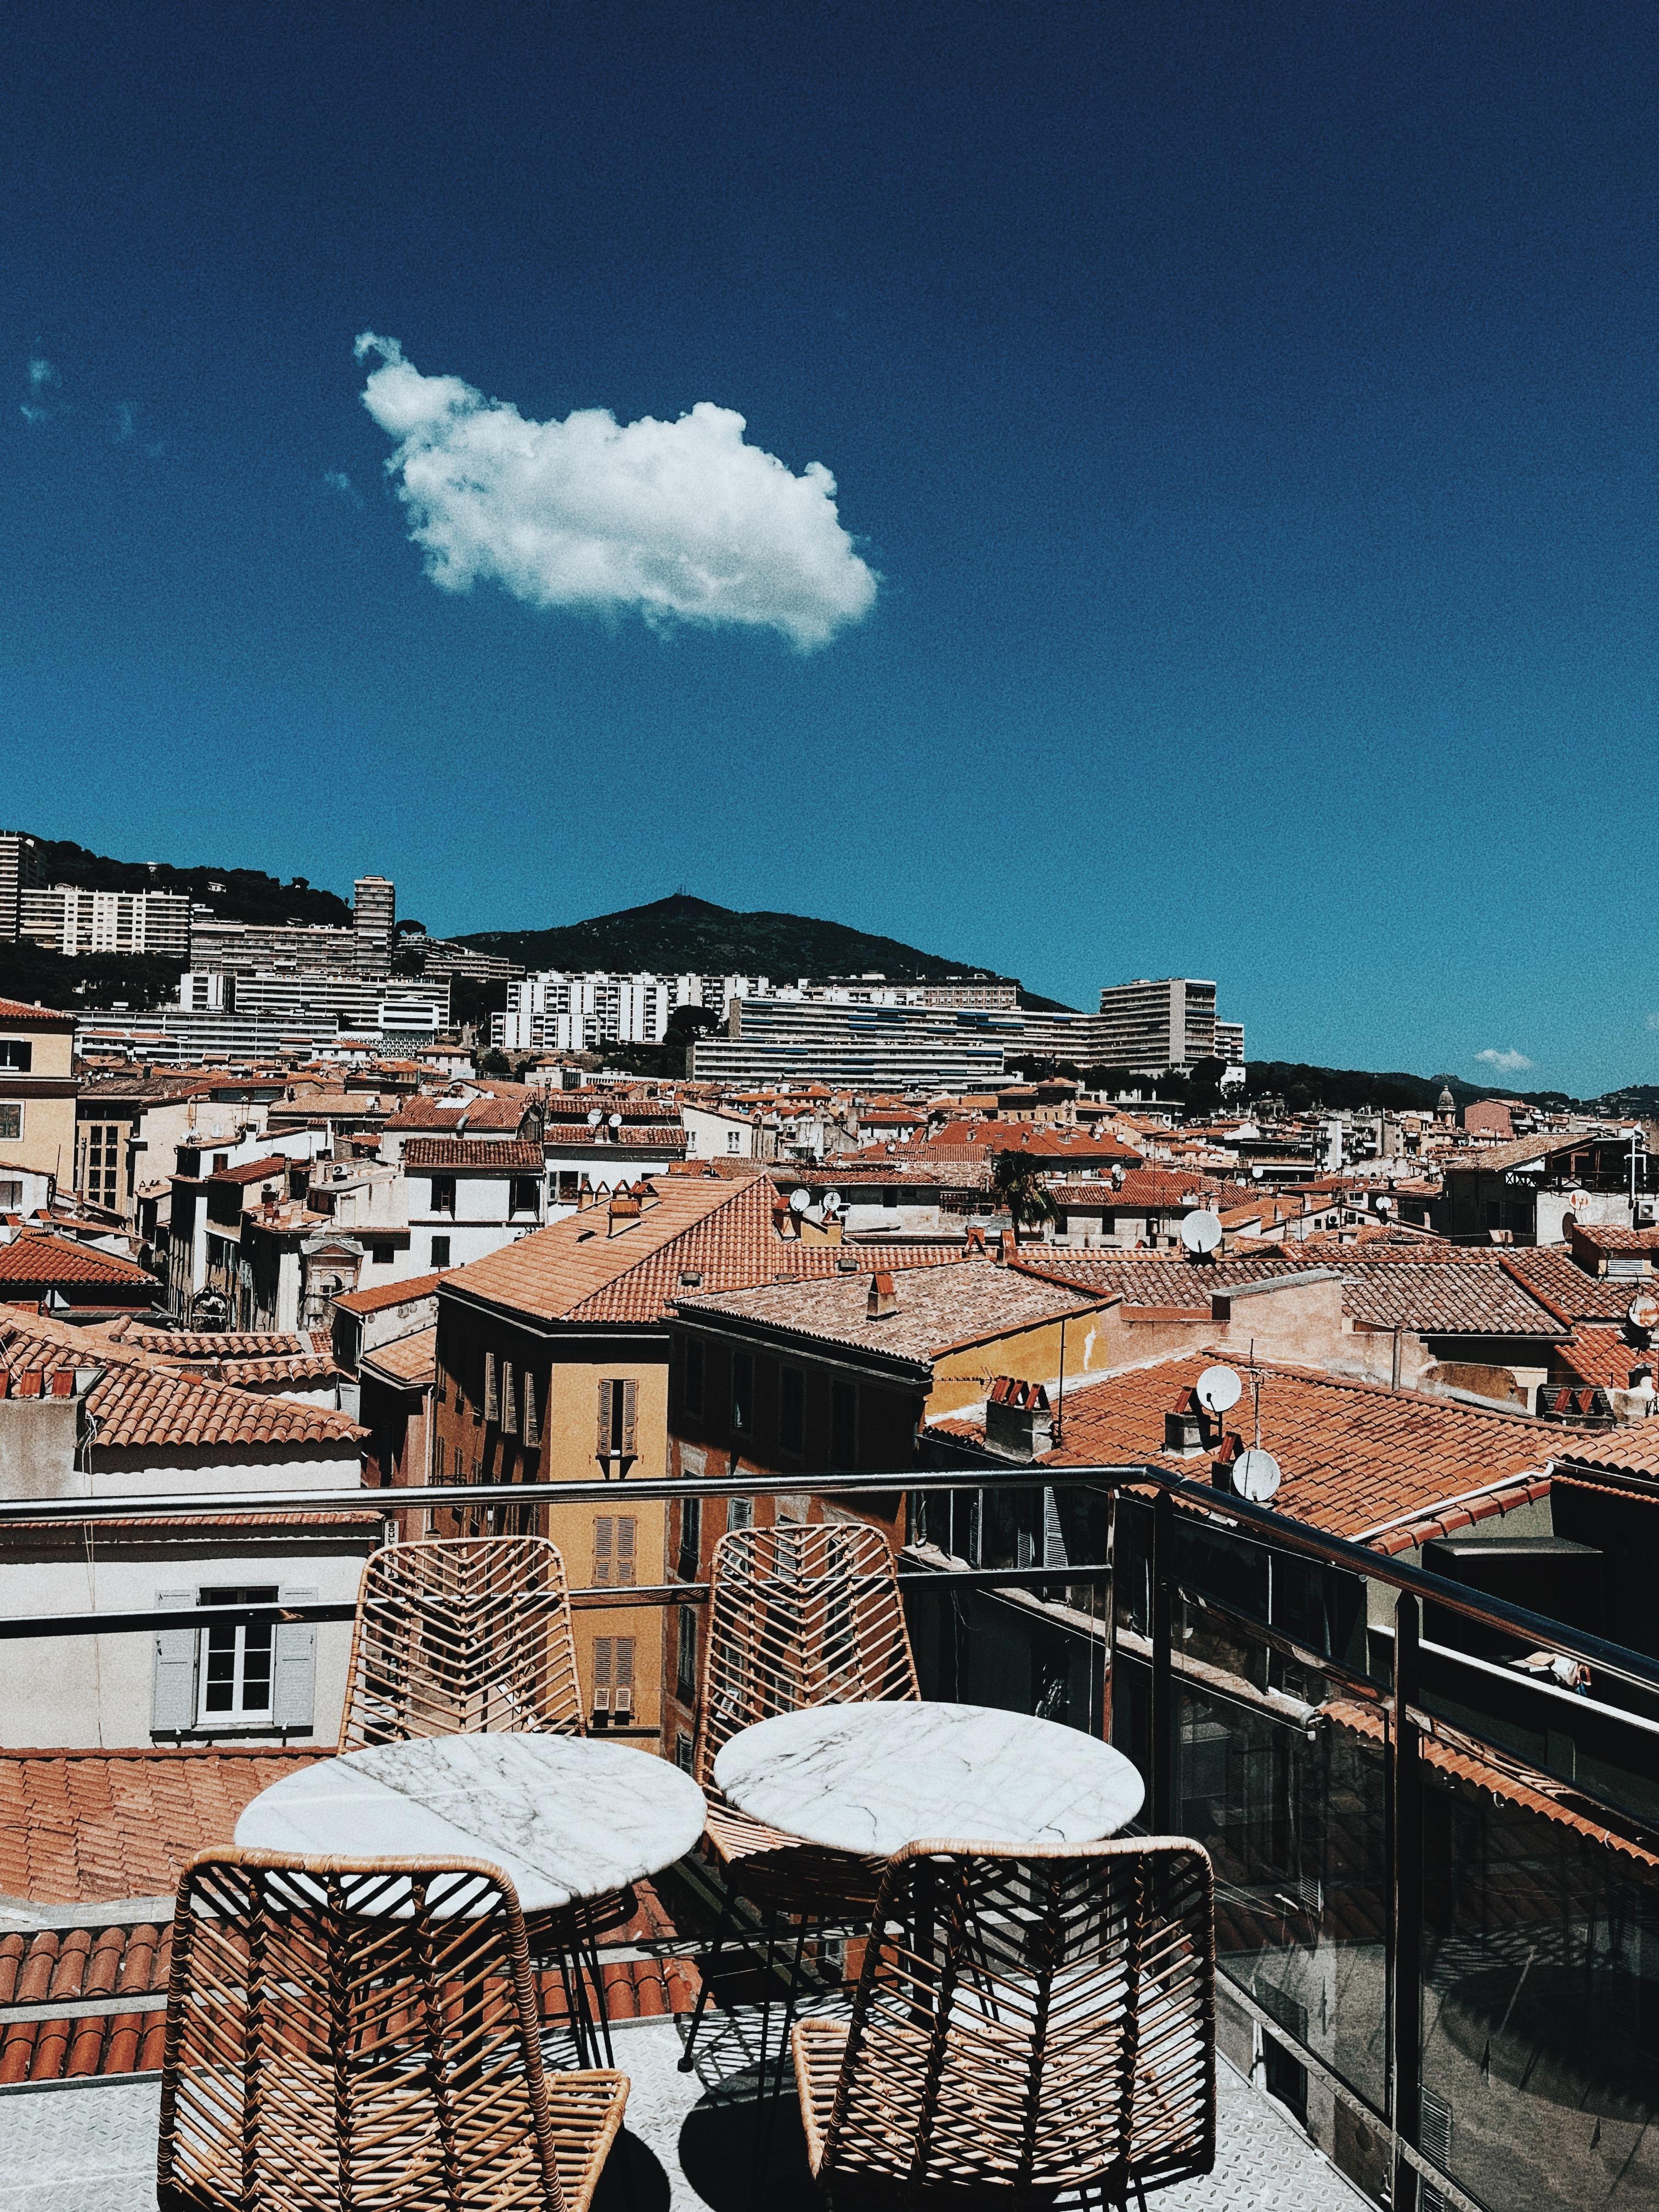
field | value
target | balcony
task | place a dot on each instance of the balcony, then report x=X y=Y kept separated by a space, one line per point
x=1436 y=1868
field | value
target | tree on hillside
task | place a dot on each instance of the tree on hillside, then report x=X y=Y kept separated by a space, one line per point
x=1016 y=1183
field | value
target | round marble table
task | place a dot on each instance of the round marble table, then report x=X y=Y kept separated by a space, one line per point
x=873 y=1777
x=566 y=1817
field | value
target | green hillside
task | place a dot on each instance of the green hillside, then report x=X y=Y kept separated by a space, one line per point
x=239 y=893
x=682 y=934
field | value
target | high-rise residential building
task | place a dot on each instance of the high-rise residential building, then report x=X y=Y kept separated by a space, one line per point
x=1155 y=1025
x=67 y=919
x=374 y=918
x=19 y=868
x=316 y=946
x=1230 y=1042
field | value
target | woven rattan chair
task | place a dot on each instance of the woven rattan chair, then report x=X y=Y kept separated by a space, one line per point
x=456 y=1636
x=1026 y=2020
x=459 y=1635
x=342 y=2034
x=801 y=1614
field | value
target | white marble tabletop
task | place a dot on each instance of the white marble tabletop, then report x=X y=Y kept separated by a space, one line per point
x=874 y=1778
x=567 y=1817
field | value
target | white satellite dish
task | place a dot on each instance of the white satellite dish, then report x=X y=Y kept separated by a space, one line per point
x=1385 y=1205
x=1642 y=1311
x=1218 y=1390
x=799 y=1201
x=832 y=1201
x=1255 y=1172
x=595 y=1118
x=616 y=1120
x=1202 y=1231
x=1256 y=1474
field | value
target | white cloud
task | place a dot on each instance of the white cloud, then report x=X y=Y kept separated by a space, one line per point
x=677 y=521
x=43 y=380
x=1507 y=1063
x=338 y=480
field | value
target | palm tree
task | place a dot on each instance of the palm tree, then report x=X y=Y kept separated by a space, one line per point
x=1017 y=1182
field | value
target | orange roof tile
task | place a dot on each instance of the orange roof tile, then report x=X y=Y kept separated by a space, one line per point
x=498 y=1156
x=392 y=1294
x=34 y=1256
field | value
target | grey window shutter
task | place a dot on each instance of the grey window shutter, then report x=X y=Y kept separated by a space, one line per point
x=603 y=1529
x=294 y=1666
x=626 y=1525
x=604 y=1420
x=173 y=1693
x=533 y=1427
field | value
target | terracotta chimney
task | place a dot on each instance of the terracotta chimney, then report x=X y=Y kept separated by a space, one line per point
x=622 y=1212
x=1018 y=1421
x=883 y=1301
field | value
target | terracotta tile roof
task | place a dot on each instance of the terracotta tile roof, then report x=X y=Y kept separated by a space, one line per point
x=1610 y=1236
x=969 y=1303
x=1437 y=1299
x=723 y=1228
x=498 y=1156
x=84 y=1964
x=34 y=1257
x=1599 y=1355
x=1447 y=1751
x=1632 y=1450
x=1486 y=1158
x=274 y=1164
x=409 y=1359
x=392 y=1294
x=78 y=1826
x=423 y=1113
x=212 y=1343
x=979 y=1138
x=1473 y=1296
x=1141 y=1188
x=311 y=1367
x=1355 y=1455
x=15 y=1015
x=1549 y=1272
x=138 y=1401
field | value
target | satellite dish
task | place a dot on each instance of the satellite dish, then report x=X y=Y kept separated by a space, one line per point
x=1385 y=1205
x=1218 y=1390
x=595 y=1118
x=799 y=1201
x=1255 y=1172
x=1202 y=1231
x=1256 y=1475
x=832 y=1201
x=1642 y=1311
x=616 y=1120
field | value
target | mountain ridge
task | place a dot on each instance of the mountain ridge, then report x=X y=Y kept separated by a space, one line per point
x=682 y=934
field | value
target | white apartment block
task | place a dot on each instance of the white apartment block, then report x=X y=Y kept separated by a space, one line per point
x=556 y=1010
x=66 y=918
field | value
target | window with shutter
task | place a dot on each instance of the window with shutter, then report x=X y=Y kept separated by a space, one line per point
x=532 y=1426
x=294 y=1670
x=492 y=1388
x=605 y=1444
x=630 y=1392
x=604 y=1540
x=602 y=1673
x=509 y=1400
x=622 y=1692
x=173 y=1693
x=686 y=1670
x=626 y=1525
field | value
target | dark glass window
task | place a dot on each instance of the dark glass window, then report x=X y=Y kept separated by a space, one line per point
x=791 y=1409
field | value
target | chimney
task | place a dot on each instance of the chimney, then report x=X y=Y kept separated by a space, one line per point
x=622 y=1212
x=1184 y=1426
x=1018 y=1421
x=883 y=1301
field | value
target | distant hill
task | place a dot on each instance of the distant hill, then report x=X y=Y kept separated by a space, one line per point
x=682 y=934
x=239 y=893
x=1301 y=1086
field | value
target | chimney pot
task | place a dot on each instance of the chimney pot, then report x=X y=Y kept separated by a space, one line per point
x=883 y=1301
x=63 y=1383
x=28 y=1384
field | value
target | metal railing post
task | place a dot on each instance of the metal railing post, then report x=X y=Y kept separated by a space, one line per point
x=1109 y=1619
x=1162 y=1761
x=1405 y=1914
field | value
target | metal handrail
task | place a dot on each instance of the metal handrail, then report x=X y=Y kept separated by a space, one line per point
x=1617 y=1659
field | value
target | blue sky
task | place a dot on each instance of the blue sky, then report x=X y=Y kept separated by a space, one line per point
x=1242 y=422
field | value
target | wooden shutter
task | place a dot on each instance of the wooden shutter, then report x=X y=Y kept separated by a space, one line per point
x=626 y=1526
x=604 y=1529
x=631 y=1400
x=509 y=1400
x=533 y=1426
x=602 y=1673
x=172 y=1691
x=605 y=1446
x=622 y=1693
x=492 y=1395
x=294 y=1666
